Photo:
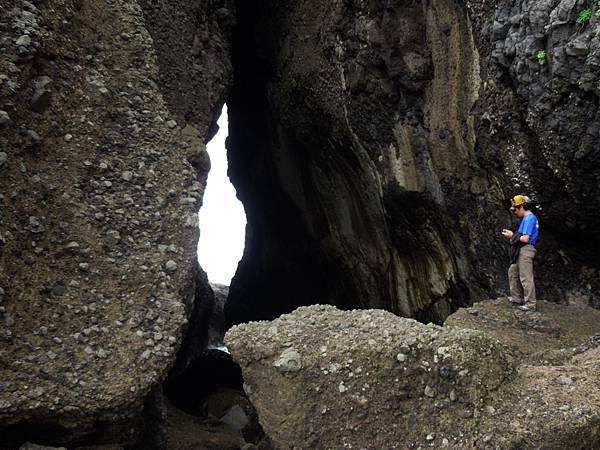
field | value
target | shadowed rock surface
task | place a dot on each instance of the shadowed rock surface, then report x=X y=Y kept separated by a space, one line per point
x=352 y=148
x=98 y=217
x=323 y=378
x=374 y=147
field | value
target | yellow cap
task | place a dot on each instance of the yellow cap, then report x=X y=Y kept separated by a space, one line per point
x=518 y=200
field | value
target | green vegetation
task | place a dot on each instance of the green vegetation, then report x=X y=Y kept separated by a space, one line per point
x=584 y=16
x=541 y=57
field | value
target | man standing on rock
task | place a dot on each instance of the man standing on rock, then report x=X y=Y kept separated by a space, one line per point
x=523 y=251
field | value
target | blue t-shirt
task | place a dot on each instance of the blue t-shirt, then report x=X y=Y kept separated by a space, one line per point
x=529 y=225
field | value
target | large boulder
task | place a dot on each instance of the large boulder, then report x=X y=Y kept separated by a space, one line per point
x=100 y=185
x=323 y=378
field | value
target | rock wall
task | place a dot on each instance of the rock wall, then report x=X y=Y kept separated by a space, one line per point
x=100 y=186
x=375 y=147
x=538 y=121
x=353 y=149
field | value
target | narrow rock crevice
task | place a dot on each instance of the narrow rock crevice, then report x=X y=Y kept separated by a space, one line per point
x=315 y=142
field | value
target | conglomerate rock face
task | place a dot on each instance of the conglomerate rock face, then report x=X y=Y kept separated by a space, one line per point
x=323 y=378
x=98 y=218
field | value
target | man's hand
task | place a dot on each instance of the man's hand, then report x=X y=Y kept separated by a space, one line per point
x=507 y=233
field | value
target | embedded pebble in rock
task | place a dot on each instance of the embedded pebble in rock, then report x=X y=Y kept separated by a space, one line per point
x=68 y=137
x=171 y=265
x=34 y=136
x=113 y=237
x=429 y=391
x=289 y=361
x=23 y=41
x=72 y=246
x=453 y=397
x=4 y=118
x=41 y=94
x=3 y=158
x=565 y=380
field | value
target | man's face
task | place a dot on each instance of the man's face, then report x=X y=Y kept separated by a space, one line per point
x=519 y=211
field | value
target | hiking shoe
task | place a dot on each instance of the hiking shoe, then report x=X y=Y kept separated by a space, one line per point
x=513 y=302
x=525 y=308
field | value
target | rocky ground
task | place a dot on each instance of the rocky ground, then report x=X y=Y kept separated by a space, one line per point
x=323 y=378
x=552 y=335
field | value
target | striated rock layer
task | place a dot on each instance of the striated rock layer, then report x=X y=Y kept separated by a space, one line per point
x=353 y=149
x=323 y=378
x=98 y=213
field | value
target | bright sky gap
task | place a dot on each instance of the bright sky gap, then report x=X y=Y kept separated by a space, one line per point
x=222 y=216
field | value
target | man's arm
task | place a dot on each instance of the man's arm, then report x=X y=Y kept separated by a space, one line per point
x=527 y=229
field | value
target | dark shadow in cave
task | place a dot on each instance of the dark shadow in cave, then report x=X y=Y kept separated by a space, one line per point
x=279 y=253
x=205 y=375
x=318 y=232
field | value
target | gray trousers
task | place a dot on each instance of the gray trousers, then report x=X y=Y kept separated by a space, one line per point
x=520 y=277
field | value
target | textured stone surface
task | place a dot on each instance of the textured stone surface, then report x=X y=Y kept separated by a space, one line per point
x=374 y=145
x=100 y=186
x=370 y=379
x=353 y=148
x=539 y=123
x=554 y=334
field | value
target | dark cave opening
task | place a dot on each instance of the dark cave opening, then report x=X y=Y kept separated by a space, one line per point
x=209 y=372
x=15 y=435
